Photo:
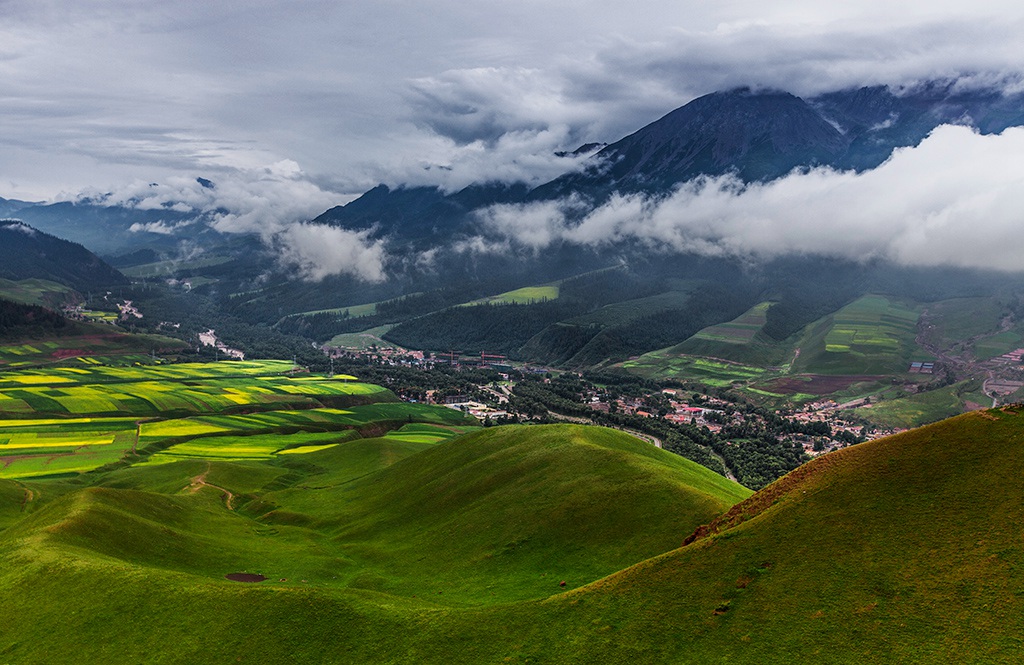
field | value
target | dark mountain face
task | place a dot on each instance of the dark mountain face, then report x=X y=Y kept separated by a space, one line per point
x=759 y=136
x=419 y=214
x=876 y=121
x=28 y=253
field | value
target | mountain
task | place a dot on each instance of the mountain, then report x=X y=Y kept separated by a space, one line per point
x=757 y=135
x=29 y=253
x=10 y=206
x=372 y=525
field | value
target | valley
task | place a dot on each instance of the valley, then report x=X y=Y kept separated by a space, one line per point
x=732 y=387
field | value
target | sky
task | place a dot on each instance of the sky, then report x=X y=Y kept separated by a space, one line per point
x=294 y=107
x=323 y=100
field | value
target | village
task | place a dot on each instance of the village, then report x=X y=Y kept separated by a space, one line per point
x=817 y=427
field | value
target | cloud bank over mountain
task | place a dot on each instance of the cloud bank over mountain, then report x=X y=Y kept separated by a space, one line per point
x=954 y=200
x=273 y=203
x=443 y=93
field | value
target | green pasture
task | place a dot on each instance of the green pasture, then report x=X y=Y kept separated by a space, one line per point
x=523 y=296
x=898 y=410
x=35 y=292
x=621 y=313
x=998 y=344
x=363 y=340
x=173 y=267
x=740 y=330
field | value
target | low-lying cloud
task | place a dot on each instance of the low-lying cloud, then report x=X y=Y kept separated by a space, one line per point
x=274 y=202
x=956 y=199
x=317 y=251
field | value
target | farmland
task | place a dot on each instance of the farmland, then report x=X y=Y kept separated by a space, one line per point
x=99 y=344
x=872 y=335
x=70 y=420
x=35 y=292
x=708 y=371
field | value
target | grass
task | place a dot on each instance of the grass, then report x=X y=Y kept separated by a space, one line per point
x=998 y=344
x=523 y=296
x=363 y=340
x=621 y=313
x=35 y=292
x=665 y=364
x=923 y=408
x=872 y=335
x=898 y=550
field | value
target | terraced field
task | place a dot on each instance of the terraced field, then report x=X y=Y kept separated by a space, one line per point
x=100 y=346
x=712 y=372
x=75 y=419
x=872 y=335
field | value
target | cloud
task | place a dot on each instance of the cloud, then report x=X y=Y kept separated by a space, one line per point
x=274 y=202
x=317 y=251
x=956 y=199
x=433 y=93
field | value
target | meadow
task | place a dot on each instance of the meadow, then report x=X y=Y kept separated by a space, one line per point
x=523 y=296
x=665 y=364
x=545 y=544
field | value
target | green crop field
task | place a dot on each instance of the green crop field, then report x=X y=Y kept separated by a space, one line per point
x=738 y=341
x=923 y=408
x=872 y=335
x=621 y=313
x=666 y=365
x=183 y=388
x=68 y=420
x=35 y=292
x=102 y=344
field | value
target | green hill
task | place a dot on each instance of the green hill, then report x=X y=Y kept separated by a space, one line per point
x=357 y=540
x=904 y=549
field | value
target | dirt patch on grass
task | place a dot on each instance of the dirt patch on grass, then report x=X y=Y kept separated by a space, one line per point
x=69 y=353
x=817 y=384
x=245 y=577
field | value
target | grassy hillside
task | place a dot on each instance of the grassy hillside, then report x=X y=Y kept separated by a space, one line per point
x=358 y=541
x=904 y=549
x=739 y=340
x=872 y=335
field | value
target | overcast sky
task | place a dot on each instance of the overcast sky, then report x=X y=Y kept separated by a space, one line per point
x=338 y=96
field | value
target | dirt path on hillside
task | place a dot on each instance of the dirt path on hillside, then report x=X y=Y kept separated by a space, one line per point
x=200 y=481
x=27 y=498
